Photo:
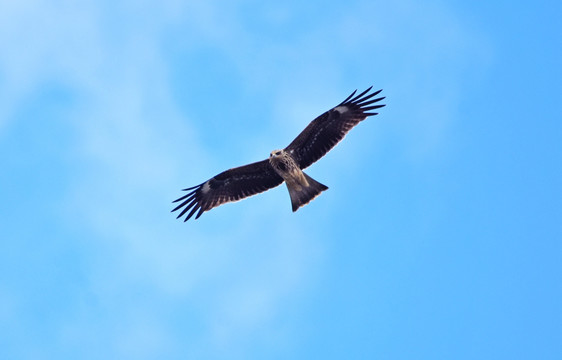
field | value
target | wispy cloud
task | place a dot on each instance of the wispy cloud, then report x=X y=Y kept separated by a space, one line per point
x=135 y=147
x=131 y=148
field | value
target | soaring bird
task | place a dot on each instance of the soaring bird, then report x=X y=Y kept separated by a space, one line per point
x=285 y=165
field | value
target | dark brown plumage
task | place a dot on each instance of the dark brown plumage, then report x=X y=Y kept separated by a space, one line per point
x=230 y=185
x=328 y=129
x=319 y=137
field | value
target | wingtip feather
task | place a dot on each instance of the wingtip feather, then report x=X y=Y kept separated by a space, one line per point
x=201 y=211
x=192 y=212
x=193 y=187
x=189 y=206
x=349 y=97
x=360 y=95
x=183 y=197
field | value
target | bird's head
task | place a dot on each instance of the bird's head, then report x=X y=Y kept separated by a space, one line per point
x=275 y=153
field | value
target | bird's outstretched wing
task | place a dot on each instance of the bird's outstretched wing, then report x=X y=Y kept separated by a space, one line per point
x=230 y=185
x=324 y=132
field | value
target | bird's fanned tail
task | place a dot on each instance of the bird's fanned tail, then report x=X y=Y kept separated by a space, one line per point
x=302 y=195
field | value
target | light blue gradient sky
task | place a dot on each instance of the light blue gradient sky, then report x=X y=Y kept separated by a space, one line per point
x=440 y=236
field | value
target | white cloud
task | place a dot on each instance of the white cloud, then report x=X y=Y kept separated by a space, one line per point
x=135 y=148
x=42 y=42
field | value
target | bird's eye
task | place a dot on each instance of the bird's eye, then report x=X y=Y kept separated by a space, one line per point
x=278 y=153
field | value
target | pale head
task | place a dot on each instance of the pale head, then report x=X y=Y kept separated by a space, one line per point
x=276 y=153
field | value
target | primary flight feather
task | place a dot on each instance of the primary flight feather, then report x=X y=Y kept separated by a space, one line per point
x=319 y=137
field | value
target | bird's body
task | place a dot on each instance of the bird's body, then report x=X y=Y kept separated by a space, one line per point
x=302 y=188
x=285 y=165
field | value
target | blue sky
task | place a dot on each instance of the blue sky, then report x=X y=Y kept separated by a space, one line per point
x=440 y=236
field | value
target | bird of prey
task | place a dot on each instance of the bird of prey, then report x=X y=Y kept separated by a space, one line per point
x=287 y=165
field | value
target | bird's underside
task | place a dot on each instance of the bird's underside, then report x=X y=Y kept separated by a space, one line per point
x=285 y=165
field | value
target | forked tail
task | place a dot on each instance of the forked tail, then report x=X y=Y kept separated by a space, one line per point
x=302 y=195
